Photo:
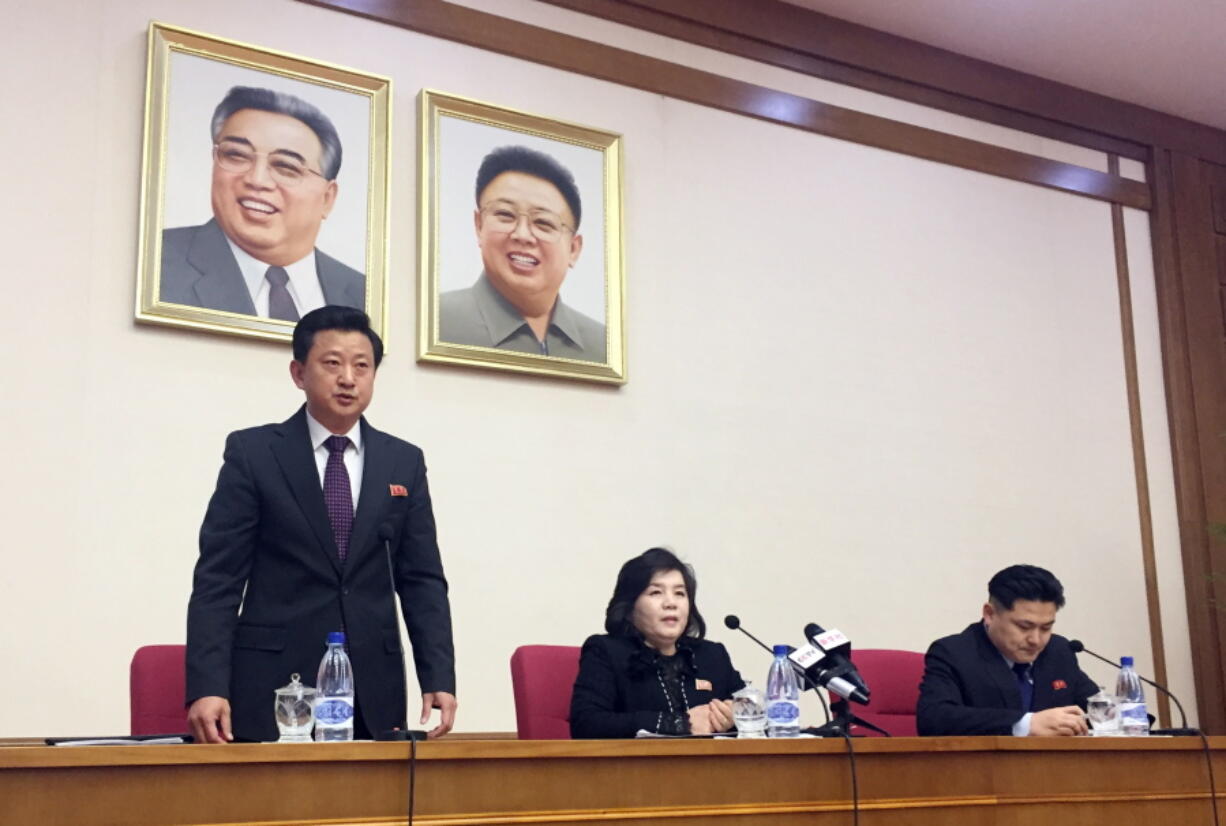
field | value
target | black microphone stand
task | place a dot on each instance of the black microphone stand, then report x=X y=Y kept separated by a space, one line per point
x=401 y=732
x=1182 y=731
x=733 y=623
x=844 y=717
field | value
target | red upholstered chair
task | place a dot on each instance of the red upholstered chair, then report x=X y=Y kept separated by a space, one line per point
x=542 y=677
x=893 y=679
x=156 y=690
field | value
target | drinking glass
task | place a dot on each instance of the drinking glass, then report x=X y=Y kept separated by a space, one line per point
x=749 y=712
x=1103 y=710
x=295 y=709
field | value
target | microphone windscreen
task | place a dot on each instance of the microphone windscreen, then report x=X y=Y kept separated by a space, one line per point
x=1077 y=645
x=386 y=532
x=732 y=621
x=813 y=629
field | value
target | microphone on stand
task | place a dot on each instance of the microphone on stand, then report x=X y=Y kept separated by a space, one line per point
x=827 y=657
x=835 y=668
x=733 y=622
x=1078 y=646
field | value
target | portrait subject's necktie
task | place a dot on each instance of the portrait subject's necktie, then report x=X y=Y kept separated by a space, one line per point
x=1024 y=685
x=280 y=302
x=338 y=496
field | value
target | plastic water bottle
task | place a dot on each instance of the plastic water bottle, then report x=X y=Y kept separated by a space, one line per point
x=334 y=693
x=782 y=697
x=1134 y=720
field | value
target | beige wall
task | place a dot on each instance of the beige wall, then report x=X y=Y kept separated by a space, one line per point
x=859 y=383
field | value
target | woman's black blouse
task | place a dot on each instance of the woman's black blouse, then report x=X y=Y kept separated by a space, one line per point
x=624 y=686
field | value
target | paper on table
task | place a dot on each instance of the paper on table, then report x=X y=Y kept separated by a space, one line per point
x=145 y=740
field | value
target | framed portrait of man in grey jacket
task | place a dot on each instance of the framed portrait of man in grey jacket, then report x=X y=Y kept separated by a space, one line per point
x=521 y=263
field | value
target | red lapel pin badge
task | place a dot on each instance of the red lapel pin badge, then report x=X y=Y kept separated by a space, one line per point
x=1058 y=685
x=398 y=490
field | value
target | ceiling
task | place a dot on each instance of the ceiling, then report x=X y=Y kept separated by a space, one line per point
x=1168 y=55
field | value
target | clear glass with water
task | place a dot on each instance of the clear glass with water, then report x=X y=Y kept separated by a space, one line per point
x=294 y=707
x=749 y=711
x=1103 y=711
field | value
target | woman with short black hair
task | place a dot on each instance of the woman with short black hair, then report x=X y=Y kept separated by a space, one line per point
x=652 y=670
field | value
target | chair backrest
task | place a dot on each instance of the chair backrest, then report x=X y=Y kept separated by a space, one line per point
x=157 y=690
x=542 y=677
x=893 y=679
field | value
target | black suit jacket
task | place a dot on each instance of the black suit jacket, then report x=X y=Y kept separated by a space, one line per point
x=617 y=691
x=968 y=688
x=199 y=270
x=267 y=531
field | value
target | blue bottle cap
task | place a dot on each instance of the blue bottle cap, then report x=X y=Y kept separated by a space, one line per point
x=781 y=650
x=336 y=637
x=1125 y=661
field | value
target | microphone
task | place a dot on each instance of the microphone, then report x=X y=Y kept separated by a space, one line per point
x=826 y=656
x=840 y=683
x=1078 y=646
x=387 y=532
x=733 y=622
x=832 y=641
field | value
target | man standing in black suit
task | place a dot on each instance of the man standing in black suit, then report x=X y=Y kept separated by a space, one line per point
x=293 y=547
x=1008 y=673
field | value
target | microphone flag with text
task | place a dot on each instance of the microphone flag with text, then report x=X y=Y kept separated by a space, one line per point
x=825 y=660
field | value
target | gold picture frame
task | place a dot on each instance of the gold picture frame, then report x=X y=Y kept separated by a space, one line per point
x=208 y=232
x=484 y=264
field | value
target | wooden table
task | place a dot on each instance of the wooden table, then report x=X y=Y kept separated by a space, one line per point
x=955 y=781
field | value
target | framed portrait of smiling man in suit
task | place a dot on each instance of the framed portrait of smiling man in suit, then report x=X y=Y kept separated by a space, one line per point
x=265 y=187
x=521 y=244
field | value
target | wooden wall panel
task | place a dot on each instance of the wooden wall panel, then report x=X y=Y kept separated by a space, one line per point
x=1144 y=511
x=585 y=57
x=657 y=18
x=922 y=67
x=1194 y=336
x=1185 y=444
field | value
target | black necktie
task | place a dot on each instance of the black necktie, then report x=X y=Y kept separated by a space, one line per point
x=1024 y=685
x=280 y=303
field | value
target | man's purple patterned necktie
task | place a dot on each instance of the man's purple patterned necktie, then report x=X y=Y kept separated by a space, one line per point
x=338 y=495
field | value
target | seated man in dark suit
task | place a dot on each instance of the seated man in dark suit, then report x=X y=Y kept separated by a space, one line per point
x=1007 y=673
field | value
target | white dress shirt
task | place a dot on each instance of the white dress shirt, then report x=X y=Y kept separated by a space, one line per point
x=353 y=454
x=303 y=285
